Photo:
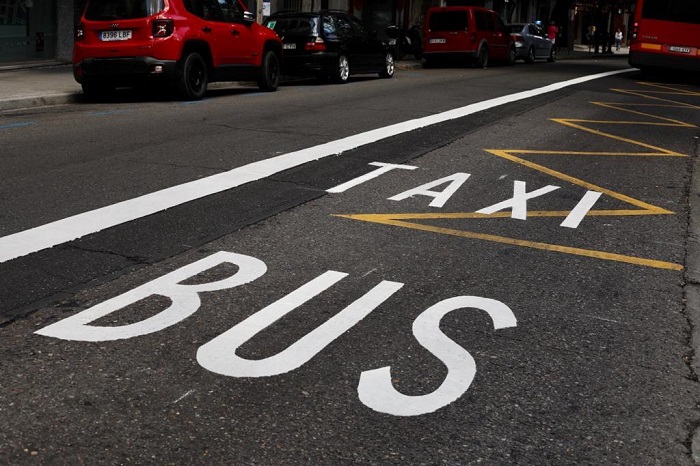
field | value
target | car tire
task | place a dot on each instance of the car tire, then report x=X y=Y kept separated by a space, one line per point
x=192 y=77
x=269 y=78
x=342 y=70
x=389 y=66
x=95 y=92
x=511 y=56
x=482 y=59
x=530 y=55
x=552 y=56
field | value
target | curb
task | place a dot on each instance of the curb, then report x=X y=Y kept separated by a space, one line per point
x=40 y=101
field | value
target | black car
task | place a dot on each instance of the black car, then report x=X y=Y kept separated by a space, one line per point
x=330 y=44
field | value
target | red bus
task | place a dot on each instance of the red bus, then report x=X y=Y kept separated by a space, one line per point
x=666 y=35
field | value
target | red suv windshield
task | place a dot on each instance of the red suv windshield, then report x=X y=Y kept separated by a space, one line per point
x=122 y=9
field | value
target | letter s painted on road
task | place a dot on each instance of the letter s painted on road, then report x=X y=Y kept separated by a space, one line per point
x=376 y=390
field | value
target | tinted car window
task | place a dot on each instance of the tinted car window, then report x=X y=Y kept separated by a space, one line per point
x=212 y=10
x=448 y=21
x=344 y=27
x=357 y=29
x=304 y=26
x=500 y=25
x=122 y=9
x=516 y=28
x=231 y=10
x=683 y=11
x=483 y=21
x=330 y=29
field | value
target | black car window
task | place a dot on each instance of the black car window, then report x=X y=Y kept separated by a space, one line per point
x=211 y=10
x=122 y=9
x=448 y=21
x=330 y=29
x=344 y=28
x=358 y=30
x=516 y=28
x=231 y=10
x=293 y=26
x=532 y=30
x=483 y=21
x=500 y=25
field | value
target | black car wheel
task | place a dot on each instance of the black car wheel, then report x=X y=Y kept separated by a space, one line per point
x=192 y=77
x=482 y=60
x=552 y=56
x=530 y=55
x=389 y=66
x=342 y=70
x=511 y=55
x=269 y=72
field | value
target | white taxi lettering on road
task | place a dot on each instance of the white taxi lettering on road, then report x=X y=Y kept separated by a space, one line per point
x=574 y=219
x=518 y=203
x=439 y=197
x=185 y=300
x=383 y=168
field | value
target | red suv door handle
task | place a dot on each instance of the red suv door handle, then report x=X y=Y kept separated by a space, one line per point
x=206 y=29
x=235 y=32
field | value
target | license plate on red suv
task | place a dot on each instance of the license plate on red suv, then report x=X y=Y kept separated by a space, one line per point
x=120 y=34
x=676 y=49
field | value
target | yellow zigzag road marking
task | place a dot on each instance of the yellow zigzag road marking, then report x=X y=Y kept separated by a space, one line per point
x=643 y=208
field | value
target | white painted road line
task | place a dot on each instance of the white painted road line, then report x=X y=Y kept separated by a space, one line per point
x=71 y=228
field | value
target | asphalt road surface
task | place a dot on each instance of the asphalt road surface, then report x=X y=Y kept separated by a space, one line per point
x=453 y=266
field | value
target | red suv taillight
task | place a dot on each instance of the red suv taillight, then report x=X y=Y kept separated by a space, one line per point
x=79 y=32
x=162 y=27
x=316 y=45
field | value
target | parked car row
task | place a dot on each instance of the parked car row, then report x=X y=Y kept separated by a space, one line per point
x=186 y=44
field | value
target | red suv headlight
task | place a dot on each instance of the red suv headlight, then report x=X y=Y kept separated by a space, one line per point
x=162 y=27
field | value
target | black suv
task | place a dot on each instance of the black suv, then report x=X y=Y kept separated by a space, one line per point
x=330 y=43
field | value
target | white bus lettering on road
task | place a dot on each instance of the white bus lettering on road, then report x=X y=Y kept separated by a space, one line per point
x=376 y=390
x=218 y=355
x=185 y=300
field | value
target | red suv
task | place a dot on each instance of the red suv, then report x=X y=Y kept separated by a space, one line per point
x=459 y=31
x=186 y=43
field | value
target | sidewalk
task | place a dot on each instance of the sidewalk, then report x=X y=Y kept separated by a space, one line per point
x=40 y=84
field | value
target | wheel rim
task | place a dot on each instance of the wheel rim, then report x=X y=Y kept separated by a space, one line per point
x=273 y=71
x=343 y=68
x=484 y=58
x=531 y=55
x=196 y=76
x=389 y=64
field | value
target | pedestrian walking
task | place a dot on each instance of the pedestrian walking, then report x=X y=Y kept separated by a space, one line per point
x=618 y=39
x=552 y=32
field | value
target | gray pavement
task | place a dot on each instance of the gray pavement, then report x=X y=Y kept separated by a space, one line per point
x=45 y=83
